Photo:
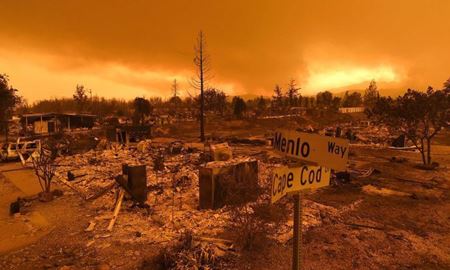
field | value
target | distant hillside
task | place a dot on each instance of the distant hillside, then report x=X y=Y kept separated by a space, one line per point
x=385 y=90
x=246 y=97
x=393 y=92
x=250 y=96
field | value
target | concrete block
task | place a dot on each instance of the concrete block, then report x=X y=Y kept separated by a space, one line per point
x=220 y=182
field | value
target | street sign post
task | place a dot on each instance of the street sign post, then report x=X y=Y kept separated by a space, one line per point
x=291 y=181
x=297 y=245
x=322 y=150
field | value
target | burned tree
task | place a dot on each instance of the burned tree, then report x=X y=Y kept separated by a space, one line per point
x=80 y=97
x=175 y=101
x=215 y=101
x=8 y=101
x=45 y=167
x=324 y=99
x=292 y=93
x=201 y=61
x=239 y=107
x=371 y=95
x=261 y=105
x=352 y=100
x=417 y=115
x=447 y=84
x=142 y=109
x=175 y=88
x=277 y=98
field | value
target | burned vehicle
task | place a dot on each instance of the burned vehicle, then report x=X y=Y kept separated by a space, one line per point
x=10 y=151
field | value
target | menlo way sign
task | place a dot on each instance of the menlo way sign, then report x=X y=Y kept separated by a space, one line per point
x=325 y=151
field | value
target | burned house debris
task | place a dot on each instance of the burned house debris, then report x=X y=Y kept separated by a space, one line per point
x=50 y=123
x=220 y=181
x=127 y=133
x=134 y=181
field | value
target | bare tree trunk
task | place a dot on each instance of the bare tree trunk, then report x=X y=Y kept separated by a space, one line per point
x=422 y=151
x=421 y=147
x=428 y=151
x=202 y=99
x=201 y=61
x=6 y=132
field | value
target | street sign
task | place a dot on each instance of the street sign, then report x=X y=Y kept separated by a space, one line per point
x=323 y=150
x=290 y=180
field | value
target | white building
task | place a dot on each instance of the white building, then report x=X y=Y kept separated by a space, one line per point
x=351 y=110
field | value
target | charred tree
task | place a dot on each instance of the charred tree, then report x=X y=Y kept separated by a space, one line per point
x=44 y=166
x=175 y=88
x=201 y=61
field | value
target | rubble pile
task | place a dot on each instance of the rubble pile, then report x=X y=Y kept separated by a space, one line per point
x=362 y=133
x=172 y=205
x=172 y=198
x=374 y=135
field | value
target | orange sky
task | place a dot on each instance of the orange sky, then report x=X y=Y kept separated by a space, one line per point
x=136 y=48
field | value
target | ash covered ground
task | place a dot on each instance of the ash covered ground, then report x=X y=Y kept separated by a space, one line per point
x=386 y=213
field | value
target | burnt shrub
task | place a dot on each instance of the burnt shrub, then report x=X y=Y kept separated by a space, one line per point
x=253 y=224
x=187 y=253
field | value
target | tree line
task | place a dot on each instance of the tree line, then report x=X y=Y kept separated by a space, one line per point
x=323 y=100
x=215 y=100
x=419 y=115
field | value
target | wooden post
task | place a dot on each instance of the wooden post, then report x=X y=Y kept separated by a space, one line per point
x=297 y=246
x=116 y=210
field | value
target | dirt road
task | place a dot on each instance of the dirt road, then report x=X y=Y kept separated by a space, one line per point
x=22 y=229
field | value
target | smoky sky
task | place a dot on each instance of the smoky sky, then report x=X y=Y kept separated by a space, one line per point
x=115 y=46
